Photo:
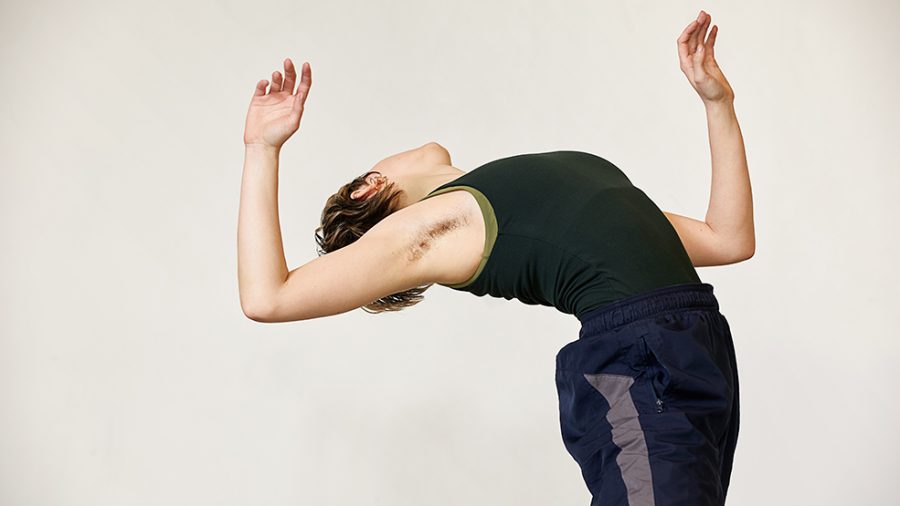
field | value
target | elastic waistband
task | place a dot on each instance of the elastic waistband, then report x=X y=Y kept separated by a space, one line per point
x=646 y=304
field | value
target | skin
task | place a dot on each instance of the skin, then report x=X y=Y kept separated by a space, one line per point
x=417 y=171
x=440 y=240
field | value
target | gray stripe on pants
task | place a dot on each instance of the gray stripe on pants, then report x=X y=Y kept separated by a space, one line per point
x=627 y=434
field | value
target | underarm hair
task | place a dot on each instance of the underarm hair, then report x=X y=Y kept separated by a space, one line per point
x=431 y=232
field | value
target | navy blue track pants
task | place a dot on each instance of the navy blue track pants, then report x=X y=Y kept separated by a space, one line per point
x=648 y=399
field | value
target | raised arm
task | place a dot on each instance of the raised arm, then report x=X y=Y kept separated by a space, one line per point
x=386 y=260
x=272 y=118
x=727 y=234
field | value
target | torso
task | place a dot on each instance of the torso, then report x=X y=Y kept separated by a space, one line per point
x=562 y=228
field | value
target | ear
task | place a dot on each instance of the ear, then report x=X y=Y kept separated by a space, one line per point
x=362 y=193
x=375 y=182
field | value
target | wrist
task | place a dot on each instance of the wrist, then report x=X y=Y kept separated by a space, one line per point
x=261 y=156
x=725 y=103
x=261 y=148
x=721 y=109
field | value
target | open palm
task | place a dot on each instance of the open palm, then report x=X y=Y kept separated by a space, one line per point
x=275 y=115
x=698 y=60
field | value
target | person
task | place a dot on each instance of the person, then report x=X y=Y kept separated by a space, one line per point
x=648 y=393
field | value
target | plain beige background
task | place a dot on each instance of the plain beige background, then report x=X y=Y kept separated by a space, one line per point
x=128 y=374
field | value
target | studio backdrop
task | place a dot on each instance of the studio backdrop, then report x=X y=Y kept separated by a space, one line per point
x=130 y=376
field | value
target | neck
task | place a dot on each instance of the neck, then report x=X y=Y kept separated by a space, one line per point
x=417 y=186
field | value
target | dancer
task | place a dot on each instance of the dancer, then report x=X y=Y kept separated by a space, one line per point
x=648 y=393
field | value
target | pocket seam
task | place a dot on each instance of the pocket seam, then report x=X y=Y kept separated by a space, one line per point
x=654 y=362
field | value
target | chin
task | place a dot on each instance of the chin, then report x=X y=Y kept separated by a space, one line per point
x=440 y=153
x=400 y=163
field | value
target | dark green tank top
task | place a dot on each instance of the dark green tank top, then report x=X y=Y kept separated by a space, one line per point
x=568 y=229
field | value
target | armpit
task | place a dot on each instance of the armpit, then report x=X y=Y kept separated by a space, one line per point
x=430 y=233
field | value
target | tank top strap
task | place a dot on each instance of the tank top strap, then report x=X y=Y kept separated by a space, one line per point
x=449 y=184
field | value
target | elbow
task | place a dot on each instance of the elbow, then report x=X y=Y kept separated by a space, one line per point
x=256 y=315
x=745 y=250
x=257 y=311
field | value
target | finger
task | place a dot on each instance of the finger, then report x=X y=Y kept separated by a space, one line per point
x=692 y=39
x=700 y=34
x=684 y=50
x=276 y=82
x=303 y=89
x=711 y=42
x=305 y=82
x=260 y=88
x=297 y=105
x=290 y=76
x=698 y=57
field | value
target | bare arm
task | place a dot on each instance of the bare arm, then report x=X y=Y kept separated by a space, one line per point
x=262 y=268
x=378 y=264
x=727 y=233
x=273 y=116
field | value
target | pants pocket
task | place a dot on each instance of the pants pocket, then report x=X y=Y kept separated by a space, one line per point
x=689 y=367
x=655 y=376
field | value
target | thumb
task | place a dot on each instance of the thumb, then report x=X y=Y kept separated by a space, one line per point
x=297 y=105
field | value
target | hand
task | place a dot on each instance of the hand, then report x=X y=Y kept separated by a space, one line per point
x=275 y=116
x=698 y=61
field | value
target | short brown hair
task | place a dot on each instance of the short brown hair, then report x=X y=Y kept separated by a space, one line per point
x=344 y=220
